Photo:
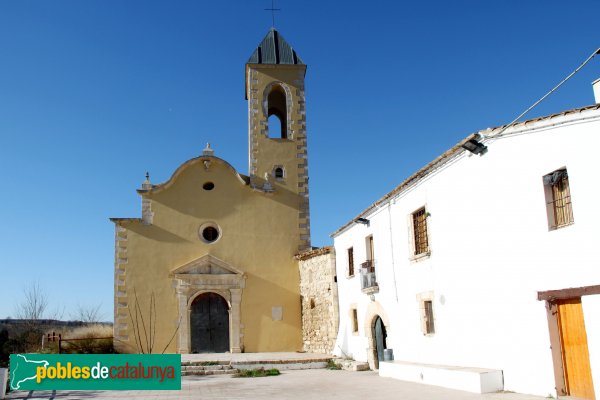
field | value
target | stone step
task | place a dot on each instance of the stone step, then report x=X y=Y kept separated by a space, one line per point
x=351 y=365
x=205 y=367
x=289 y=365
x=251 y=361
x=204 y=363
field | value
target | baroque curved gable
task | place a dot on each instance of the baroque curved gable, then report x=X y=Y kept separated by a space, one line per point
x=208 y=163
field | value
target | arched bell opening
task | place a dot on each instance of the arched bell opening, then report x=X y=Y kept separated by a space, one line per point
x=277 y=112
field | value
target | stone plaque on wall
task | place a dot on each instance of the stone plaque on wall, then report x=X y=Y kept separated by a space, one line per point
x=277 y=313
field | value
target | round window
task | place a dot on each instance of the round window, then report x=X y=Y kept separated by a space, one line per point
x=208 y=186
x=209 y=232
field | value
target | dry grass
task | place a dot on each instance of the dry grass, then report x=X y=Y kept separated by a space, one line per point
x=89 y=345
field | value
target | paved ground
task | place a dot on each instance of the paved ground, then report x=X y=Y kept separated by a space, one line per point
x=302 y=384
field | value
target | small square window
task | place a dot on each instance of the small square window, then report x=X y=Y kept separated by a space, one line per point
x=558 y=199
x=428 y=322
x=425 y=301
x=354 y=315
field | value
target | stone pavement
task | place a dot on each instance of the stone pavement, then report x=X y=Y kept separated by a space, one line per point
x=300 y=384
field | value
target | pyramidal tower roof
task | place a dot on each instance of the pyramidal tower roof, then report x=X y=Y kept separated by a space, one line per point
x=274 y=50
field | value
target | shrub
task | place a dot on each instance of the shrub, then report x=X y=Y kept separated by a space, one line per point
x=26 y=341
x=258 y=372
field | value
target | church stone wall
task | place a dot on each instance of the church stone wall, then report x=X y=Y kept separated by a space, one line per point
x=318 y=288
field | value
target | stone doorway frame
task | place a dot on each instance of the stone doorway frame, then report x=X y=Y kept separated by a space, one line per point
x=203 y=275
x=374 y=310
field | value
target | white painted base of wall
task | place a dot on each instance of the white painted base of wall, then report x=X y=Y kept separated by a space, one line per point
x=3 y=380
x=475 y=380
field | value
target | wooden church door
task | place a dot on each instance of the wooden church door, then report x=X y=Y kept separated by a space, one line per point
x=209 y=324
x=575 y=355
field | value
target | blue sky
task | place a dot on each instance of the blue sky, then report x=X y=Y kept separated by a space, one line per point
x=95 y=93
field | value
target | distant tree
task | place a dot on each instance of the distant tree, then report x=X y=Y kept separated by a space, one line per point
x=87 y=314
x=33 y=309
x=34 y=304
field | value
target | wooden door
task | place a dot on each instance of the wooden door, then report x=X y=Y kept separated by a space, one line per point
x=575 y=356
x=209 y=323
x=380 y=338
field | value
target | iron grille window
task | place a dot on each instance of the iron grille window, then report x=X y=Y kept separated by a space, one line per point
x=420 y=231
x=559 y=199
x=351 y=261
x=428 y=315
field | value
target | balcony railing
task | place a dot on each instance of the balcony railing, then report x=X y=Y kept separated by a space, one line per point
x=368 y=280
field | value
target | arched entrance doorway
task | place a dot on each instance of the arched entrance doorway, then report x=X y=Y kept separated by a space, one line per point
x=377 y=328
x=380 y=336
x=209 y=324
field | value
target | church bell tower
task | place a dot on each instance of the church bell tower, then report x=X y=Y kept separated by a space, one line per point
x=277 y=124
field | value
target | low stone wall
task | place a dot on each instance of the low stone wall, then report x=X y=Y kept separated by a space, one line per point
x=318 y=288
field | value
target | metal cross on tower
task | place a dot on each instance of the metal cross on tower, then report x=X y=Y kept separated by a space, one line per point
x=273 y=9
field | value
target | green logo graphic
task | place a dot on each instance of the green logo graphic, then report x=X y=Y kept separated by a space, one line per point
x=95 y=371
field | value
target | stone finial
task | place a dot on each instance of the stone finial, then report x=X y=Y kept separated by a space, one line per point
x=147 y=213
x=208 y=151
x=147 y=185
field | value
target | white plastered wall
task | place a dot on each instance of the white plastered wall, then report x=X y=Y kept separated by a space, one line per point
x=491 y=252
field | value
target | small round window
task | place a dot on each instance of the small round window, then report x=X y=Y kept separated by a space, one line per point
x=208 y=186
x=209 y=233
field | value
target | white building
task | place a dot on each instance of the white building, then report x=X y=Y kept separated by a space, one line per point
x=488 y=260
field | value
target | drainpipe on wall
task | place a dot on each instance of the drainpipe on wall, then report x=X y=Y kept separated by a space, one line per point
x=392 y=248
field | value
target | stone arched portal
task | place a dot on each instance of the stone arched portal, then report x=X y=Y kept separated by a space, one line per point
x=209 y=324
x=376 y=315
x=208 y=274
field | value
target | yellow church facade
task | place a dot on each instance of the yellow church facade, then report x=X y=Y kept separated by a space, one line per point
x=210 y=267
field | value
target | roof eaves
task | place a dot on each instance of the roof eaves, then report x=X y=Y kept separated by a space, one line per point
x=421 y=173
x=455 y=150
x=119 y=220
x=313 y=253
